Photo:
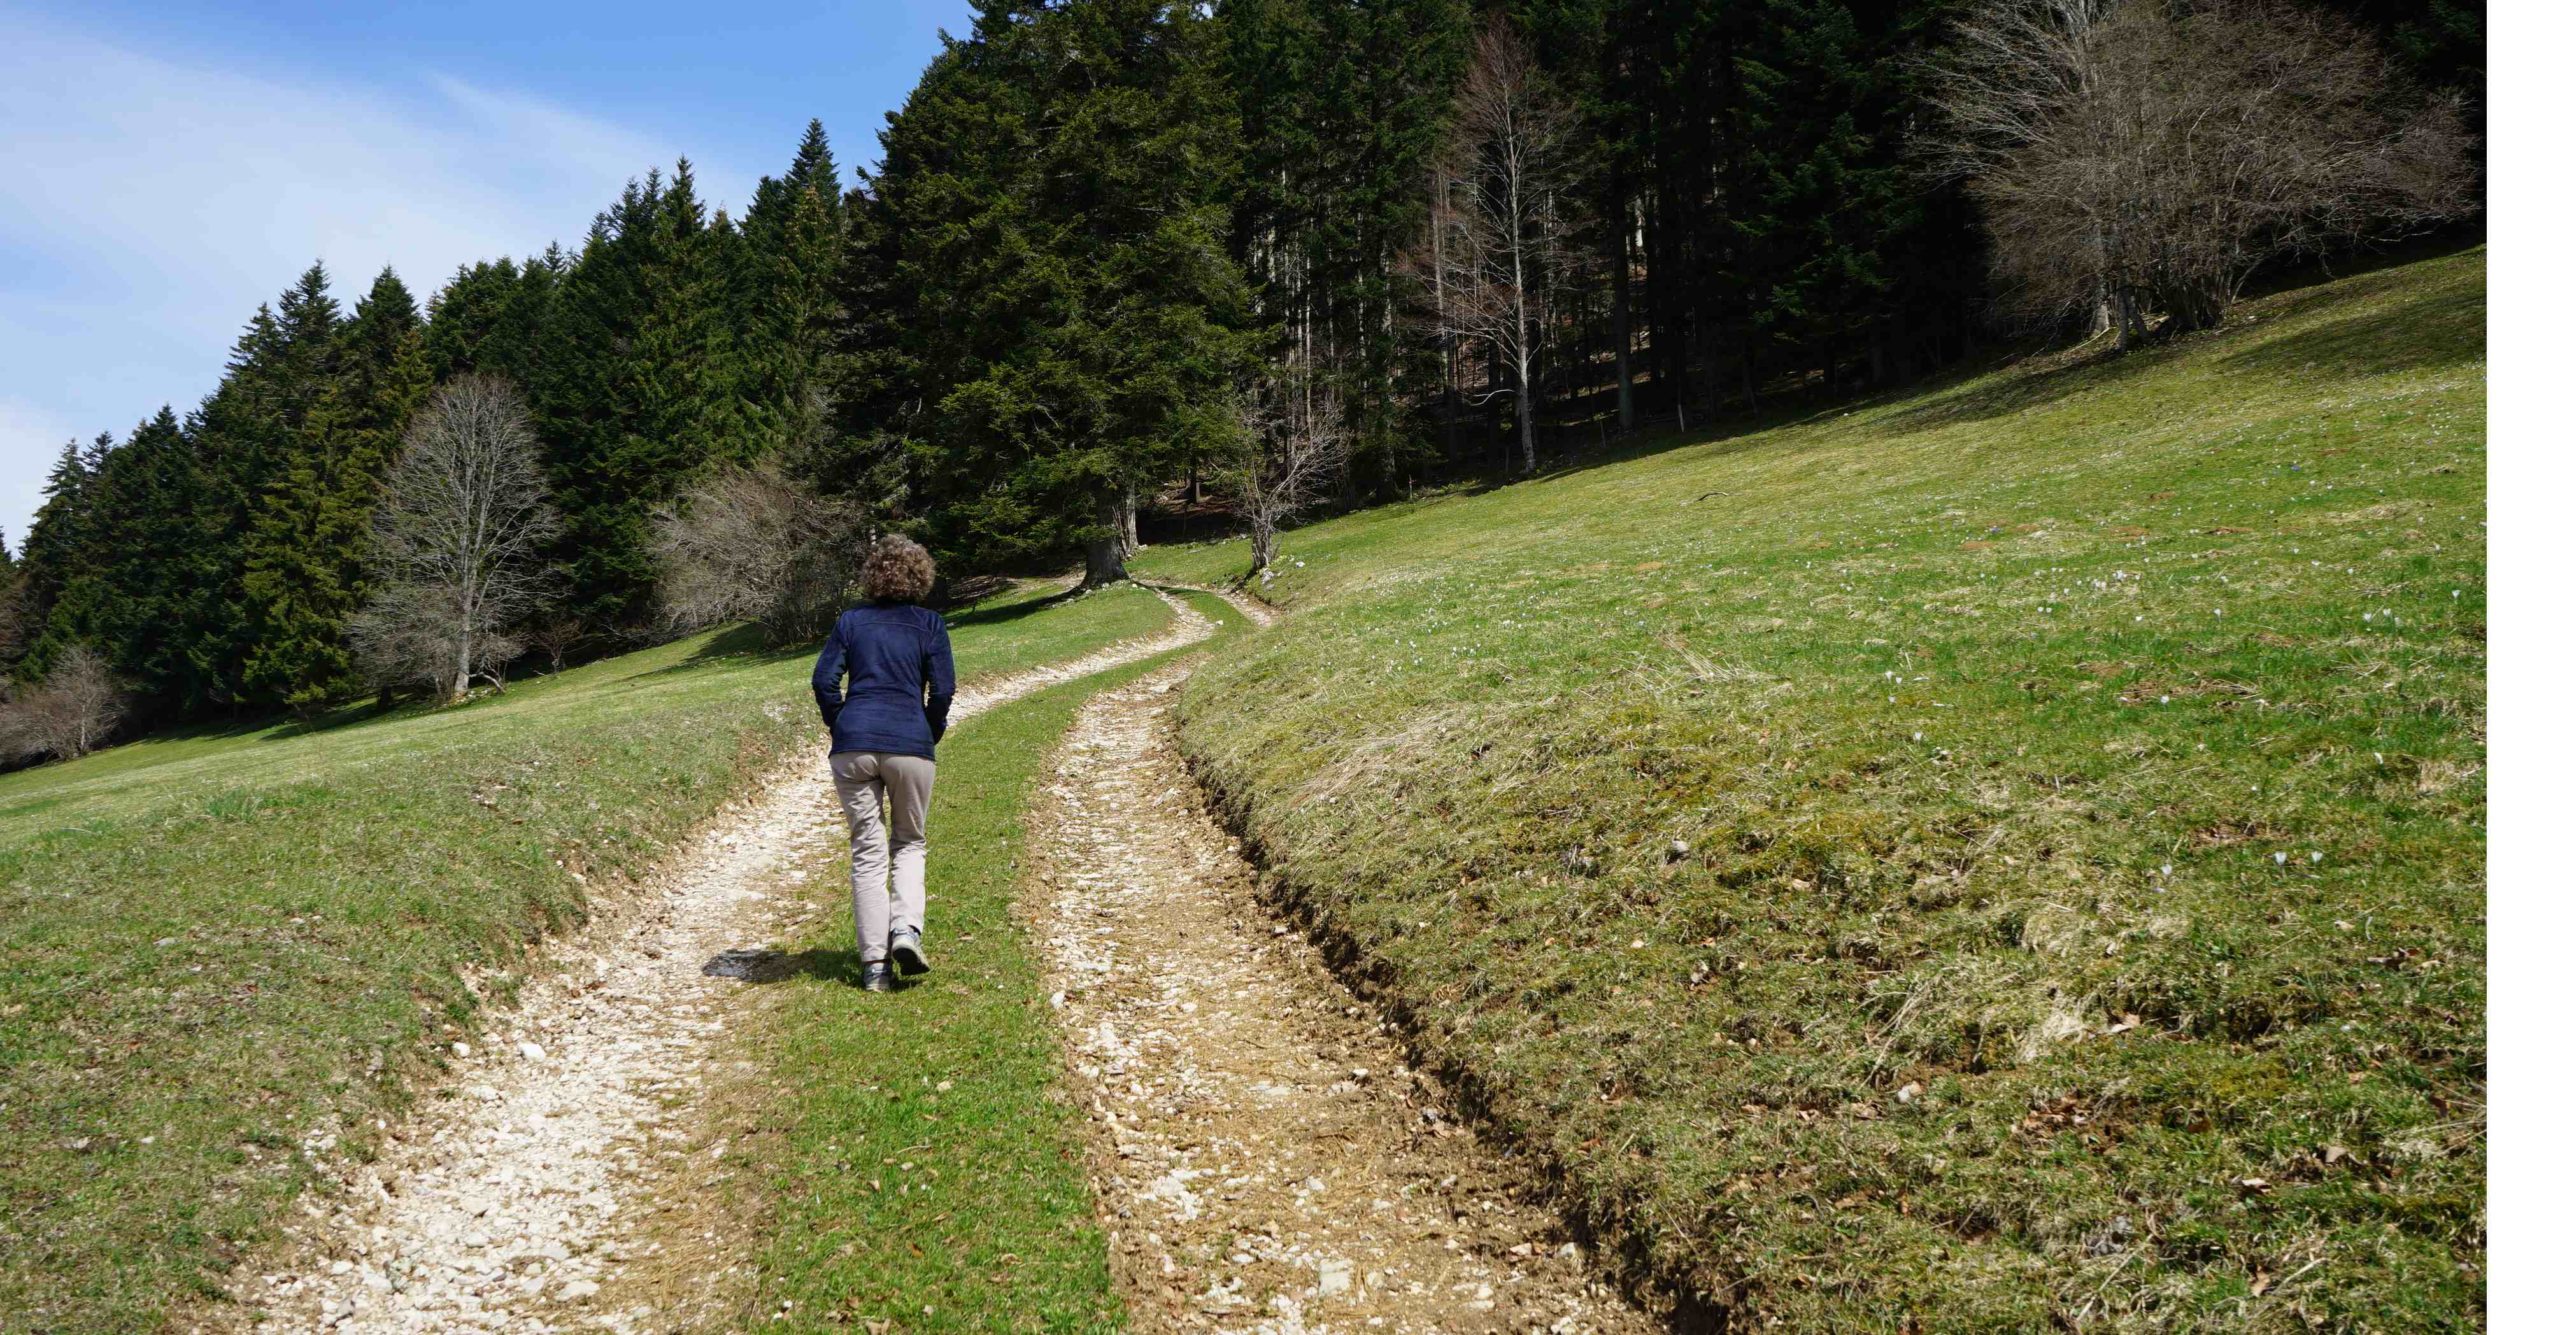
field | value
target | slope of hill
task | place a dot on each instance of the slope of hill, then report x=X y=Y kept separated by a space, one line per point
x=2007 y=857
x=226 y=953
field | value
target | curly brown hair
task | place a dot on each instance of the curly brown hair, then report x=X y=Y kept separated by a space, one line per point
x=897 y=571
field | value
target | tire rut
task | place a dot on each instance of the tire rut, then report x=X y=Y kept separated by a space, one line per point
x=1266 y=1160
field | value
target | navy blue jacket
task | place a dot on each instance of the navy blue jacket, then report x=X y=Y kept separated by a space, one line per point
x=884 y=680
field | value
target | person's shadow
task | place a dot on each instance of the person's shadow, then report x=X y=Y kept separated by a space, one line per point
x=774 y=966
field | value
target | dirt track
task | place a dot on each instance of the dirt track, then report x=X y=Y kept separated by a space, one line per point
x=1266 y=1161
x=510 y=1200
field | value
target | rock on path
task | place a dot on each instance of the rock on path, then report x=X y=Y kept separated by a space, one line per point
x=1267 y=1162
x=506 y=1203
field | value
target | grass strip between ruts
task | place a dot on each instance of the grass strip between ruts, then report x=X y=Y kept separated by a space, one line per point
x=918 y=1165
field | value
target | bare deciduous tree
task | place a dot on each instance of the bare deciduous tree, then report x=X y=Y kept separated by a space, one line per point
x=752 y=544
x=70 y=714
x=458 y=541
x=2132 y=156
x=1503 y=245
x=556 y=637
x=1295 y=444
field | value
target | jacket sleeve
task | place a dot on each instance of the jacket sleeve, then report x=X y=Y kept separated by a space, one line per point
x=939 y=679
x=828 y=679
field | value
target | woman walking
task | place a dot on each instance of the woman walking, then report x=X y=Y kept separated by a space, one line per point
x=884 y=687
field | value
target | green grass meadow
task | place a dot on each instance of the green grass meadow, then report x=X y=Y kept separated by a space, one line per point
x=2005 y=857
x=917 y=1163
x=227 y=950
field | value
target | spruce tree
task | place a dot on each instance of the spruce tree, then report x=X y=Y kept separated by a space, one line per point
x=1074 y=320
x=581 y=411
x=251 y=436
x=1340 y=105
x=635 y=392
x=783 y=291
x=492 y=316
x=230 y=433
x=12 y=592
x=1810 y=205
x=813 y=168
x=124 y=602
x=58 y=547
x=311 y=531
x=467 y=320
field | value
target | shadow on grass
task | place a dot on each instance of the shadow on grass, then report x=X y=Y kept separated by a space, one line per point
x=1733 y=432
x=997 y=616
x=752 y=965
x=1727 y=431
x=2002 y=394
x=284 y=727
x=738 y=646
x=2442 y=329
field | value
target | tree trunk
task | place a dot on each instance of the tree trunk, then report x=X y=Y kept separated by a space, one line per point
x=1265 y=539
x=1528 y=419
x=1106 y=554
x=1622 y=332
x=1707 y=383
x=2128 y=320
x=1104 y=562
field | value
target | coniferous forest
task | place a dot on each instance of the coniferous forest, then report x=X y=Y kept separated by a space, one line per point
x=1109 y=249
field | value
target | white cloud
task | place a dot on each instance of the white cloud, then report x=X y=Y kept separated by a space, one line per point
x=152 y=204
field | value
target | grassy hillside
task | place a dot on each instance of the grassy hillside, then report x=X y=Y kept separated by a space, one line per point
x=2009 y=857
x=225 y=951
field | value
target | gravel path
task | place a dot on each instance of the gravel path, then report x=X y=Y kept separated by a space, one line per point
x=1268 y=1162
x=507 y=1203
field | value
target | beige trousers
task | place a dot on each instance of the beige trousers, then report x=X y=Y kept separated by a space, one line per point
x=888 y=854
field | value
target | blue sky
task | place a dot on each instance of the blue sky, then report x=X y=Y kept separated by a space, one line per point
x=170 y=166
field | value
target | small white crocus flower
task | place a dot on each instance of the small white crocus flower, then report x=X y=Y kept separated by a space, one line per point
x=2279 y=859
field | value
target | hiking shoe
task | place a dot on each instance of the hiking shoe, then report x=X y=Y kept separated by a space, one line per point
x=906 y=946
x=875 y=977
